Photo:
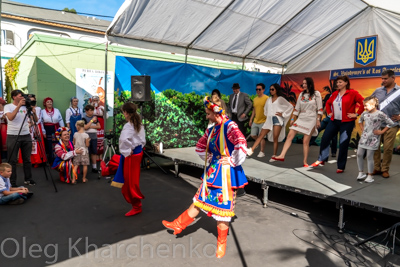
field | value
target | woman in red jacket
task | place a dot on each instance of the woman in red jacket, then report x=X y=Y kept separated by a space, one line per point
x=341 y=106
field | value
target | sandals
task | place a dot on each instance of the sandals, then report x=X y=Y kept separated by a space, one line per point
x=84 y=180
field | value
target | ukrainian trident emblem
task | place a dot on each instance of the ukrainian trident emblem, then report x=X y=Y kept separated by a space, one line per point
x=366 y=50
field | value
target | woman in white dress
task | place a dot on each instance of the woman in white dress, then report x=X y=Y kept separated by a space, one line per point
x=305 y=120
x=278 y=111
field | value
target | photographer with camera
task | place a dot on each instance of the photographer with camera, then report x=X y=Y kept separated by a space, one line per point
x=18 y=136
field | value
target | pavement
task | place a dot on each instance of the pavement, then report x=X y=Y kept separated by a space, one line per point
x=84 y=225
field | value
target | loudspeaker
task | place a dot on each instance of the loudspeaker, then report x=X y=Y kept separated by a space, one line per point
x=140 y=88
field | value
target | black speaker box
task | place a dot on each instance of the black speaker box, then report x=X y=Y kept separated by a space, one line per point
x=140 y=88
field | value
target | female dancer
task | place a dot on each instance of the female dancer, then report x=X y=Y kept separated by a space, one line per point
x=224 y=147
x=131 y=142
x=38 y=155
x=72 y=115
x=278 y=111
x=52 y=120
x=341 y=107
x=3 y=129
x=305 y=119
x=65 y=153
x=99 y=113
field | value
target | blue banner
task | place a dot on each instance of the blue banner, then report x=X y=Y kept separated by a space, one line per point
x=187 y=78
x=368 y=72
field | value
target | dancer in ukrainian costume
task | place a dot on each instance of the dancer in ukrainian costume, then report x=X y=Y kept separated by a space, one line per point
x=131 y=142
x=223 y=146
x=99 y=113
x=65 y=152
x=3 y=129
x=52 y=120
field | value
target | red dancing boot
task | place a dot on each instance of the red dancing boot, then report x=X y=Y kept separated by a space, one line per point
x=133 y=211
x=180 y=223
x=136 y=208
x=221 y=244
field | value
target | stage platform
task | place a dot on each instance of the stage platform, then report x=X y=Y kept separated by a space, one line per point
x=321 y=182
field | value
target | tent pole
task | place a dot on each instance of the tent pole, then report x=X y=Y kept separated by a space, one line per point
x=105 y=88
x=186 y=54
x=243 y=63
x=283 y=69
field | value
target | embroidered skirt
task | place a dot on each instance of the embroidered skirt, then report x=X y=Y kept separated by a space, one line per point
x=213 y=205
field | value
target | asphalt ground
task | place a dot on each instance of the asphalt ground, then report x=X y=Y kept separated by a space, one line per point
x=84 y=225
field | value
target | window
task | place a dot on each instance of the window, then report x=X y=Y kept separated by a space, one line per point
x=7 y=37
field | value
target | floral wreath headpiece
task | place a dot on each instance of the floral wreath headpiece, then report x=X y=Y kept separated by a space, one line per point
x=214 y=107
x=60 y=130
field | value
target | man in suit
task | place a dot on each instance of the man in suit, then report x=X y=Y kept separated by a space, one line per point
x=239 y=106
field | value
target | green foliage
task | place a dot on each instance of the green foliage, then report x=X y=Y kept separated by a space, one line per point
x=70 y=10
x=166 y=119
x=11 y=70
x=171 y=117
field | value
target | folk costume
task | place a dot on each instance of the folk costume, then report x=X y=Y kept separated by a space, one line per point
x=217 y=194
x=72 y=115
x=99 y=113
x=127 y=177
x=64 y=155
x=52 y=120
x=3 y=131
x=38 y=155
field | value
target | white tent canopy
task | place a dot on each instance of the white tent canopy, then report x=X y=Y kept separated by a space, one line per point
x=272 y=32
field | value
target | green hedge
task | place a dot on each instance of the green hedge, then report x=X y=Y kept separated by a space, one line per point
x=176 y=119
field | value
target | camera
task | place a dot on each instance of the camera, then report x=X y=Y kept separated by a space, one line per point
x=29 y=103
x=109 y=135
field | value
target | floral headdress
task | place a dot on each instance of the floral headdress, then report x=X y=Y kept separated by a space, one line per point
x=214 y=107
x=60 y=130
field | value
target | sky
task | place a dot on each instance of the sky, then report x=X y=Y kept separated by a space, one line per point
x=100 y=7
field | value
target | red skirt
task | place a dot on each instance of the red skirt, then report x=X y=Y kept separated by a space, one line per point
x=100 y=136
x=38 y=150
x=3 y=133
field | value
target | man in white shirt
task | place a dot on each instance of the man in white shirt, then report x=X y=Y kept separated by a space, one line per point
x=18 y=137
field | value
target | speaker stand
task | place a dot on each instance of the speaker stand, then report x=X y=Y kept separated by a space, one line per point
x=144 y=151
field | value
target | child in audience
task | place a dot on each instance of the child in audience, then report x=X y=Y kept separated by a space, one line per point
x=370 y=123
x=81 y=141
x=11 y=195
x=91 y=126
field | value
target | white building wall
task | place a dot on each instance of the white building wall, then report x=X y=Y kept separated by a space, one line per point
x=21 y=30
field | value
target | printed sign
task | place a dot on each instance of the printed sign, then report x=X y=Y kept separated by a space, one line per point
x=369 y=72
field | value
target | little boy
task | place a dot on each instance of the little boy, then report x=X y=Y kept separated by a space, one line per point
x=91 y=126
x=8 y=194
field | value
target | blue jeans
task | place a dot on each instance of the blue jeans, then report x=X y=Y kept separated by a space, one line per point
x=11 y=197
x=324 y=123
x=334 y=127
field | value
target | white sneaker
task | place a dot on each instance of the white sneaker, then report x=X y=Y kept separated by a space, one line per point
x=369 y=179
x=261 y=155
x=361 y=176
x=249 y=151
x=271 y=159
